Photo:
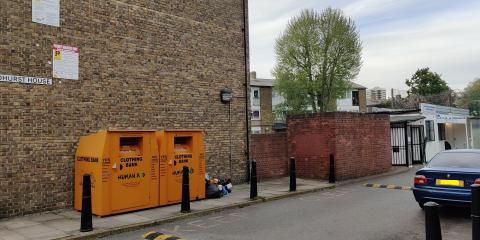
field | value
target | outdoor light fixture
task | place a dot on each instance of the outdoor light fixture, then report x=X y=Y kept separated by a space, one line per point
x=226 y=95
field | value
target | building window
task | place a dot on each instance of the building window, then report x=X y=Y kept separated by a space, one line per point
x=256 y=130
x=256 y=115
x=430 y=128
x=256 y=96
x=355 y=98
x=441 y=131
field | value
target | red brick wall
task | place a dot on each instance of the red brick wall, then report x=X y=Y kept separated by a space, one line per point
x=311 y=141
x=360 y=143
x=270 y=152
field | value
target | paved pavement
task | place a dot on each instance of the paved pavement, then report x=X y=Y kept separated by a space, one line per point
x=351 y=211
x=66 y=223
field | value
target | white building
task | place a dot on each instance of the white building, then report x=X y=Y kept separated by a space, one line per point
x=443 y=128
x=376 y=95
x=473 y=125
x=354 y=101
x=260 y=104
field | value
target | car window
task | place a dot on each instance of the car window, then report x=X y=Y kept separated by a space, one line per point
x=456 y=160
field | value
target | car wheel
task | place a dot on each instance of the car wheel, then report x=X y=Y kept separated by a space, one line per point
x=420 y=204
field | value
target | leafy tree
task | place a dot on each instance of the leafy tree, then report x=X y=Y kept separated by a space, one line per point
x=425 y=83
x=413 y=101
x=471 y=97
x=317 y=56
x=428 y=86
x=384 y=104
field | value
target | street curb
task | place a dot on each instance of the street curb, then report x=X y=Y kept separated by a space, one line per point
x=367 y=178
x=137 y=226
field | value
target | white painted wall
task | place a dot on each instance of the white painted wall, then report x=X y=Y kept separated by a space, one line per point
x=345 y=104
x=455 y=129
x=432 y=147
x=456 y=135
x=475 y=126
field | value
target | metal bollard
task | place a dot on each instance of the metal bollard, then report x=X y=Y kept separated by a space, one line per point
x=185 y=190
x=331 y=172
x=293 y=175
x=253 y=181
x=432 y=222
x=86 y=218
x=475 y=210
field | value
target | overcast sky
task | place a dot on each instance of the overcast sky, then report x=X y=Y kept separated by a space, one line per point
x=399 y=36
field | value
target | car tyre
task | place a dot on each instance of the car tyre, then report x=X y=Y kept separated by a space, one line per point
x=421 y=205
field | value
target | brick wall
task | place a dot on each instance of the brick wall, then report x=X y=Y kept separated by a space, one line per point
x=143 y=65
x=359 y=142
x=270 y=152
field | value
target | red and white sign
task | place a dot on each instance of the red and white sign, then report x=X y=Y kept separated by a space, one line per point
x=65 y=62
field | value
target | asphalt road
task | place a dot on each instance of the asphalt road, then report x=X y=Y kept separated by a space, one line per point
x=347 y=212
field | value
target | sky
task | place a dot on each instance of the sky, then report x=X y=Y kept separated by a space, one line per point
x=398 y=36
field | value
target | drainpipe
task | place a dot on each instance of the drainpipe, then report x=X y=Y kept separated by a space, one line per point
x=247 y=83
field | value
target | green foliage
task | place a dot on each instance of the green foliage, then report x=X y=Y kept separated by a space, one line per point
x=426 y=83
x=471 y=97
x=385 y=104
x=317 y=57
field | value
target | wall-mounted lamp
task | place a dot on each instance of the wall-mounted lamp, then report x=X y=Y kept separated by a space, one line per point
x=226 y=95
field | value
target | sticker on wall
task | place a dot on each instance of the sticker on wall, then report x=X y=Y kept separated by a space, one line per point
x=46 y=12
x=25 y=80
x=65 y=62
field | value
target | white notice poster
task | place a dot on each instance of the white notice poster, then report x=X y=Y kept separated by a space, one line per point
x=46 y=12
x=65 y=62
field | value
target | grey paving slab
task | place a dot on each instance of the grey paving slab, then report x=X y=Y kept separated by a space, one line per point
x=49 y=235
x=38 y=231
x=18 y=223
x=241 y=195
x=45 y=217
x=155 y=212
x=65 y=225
x=214 y=203
x=161 y=212
x=130 y=218
x=104 y=223
x=201 y=205
x=72 y=214
x=10 y=235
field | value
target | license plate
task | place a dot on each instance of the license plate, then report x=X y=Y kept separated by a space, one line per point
x=448 y=182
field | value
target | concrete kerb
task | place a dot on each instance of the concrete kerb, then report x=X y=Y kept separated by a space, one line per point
x=362 y=179
x=137 y=226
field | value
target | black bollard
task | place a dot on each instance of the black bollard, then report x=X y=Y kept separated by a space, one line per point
x=331 y=172
x=253 y=181
x=185 y=190
x=432 y=222
x=293 y=175
x=86 y=219
x=475 y=211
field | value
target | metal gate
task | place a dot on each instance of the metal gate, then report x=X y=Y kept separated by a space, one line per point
x=417 y=144
x=399 y=144
x=408 y=144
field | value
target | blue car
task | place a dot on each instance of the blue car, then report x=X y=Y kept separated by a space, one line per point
x=447 y=178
